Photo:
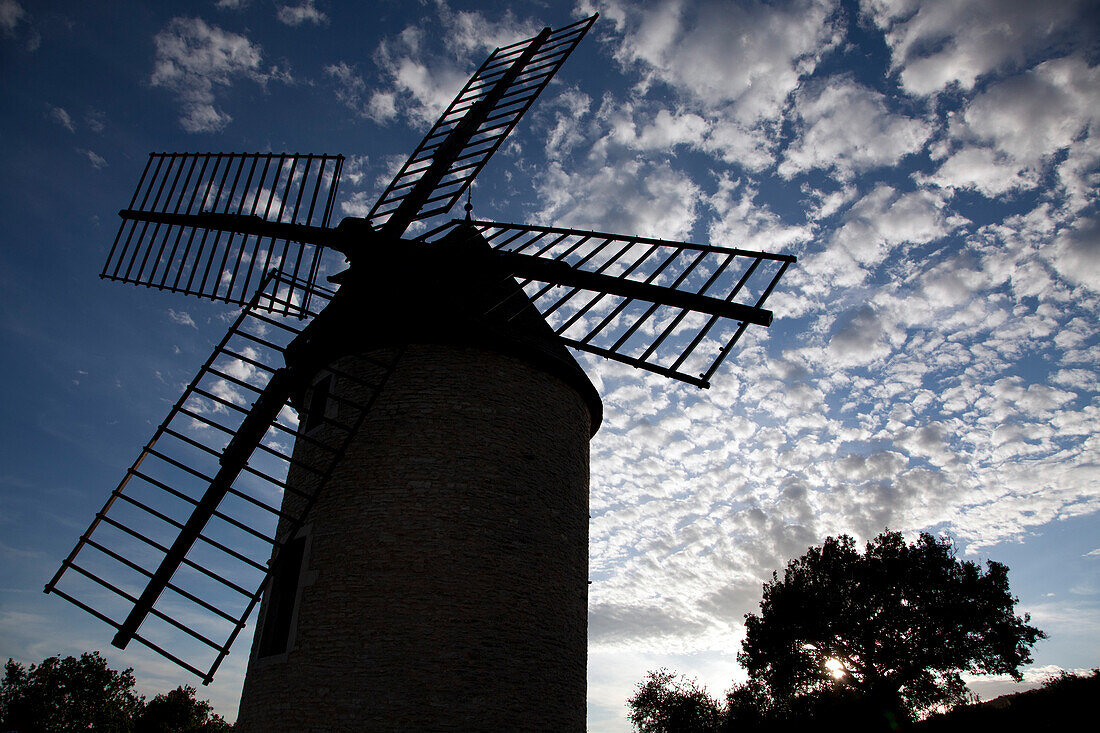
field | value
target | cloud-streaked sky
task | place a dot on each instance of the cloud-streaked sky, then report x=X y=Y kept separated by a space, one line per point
x=933 y=364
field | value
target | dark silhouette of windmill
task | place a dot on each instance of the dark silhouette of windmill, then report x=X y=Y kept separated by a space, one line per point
x=420 y=553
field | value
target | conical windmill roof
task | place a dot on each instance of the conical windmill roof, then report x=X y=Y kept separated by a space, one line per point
x=447 y=292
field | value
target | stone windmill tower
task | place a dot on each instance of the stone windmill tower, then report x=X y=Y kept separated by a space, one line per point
x=396 y=471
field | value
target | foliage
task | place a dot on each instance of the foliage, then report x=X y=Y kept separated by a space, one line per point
x=750 y=707
x=179 y=711
x=67 y=695
x=665 y=703
x=855 y=641
x=902 y=620
x=84 y=694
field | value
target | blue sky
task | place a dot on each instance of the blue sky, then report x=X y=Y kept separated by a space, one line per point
x=932 y=365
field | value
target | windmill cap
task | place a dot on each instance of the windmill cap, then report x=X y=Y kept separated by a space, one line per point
x=451 y=292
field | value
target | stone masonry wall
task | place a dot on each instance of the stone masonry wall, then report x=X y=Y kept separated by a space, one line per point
x=445 y=586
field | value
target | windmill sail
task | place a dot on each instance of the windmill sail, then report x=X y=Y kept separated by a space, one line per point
x=473 y=127
x=171 y=238
x=673 y=308
x=176 y=562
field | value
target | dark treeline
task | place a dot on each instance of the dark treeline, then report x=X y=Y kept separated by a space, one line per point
x=1061 y=704
x=74 y=695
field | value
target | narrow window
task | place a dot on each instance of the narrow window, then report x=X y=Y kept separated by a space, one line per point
x=318 y=403
x=282 y=597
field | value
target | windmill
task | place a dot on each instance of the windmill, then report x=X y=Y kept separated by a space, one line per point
x=395 y=470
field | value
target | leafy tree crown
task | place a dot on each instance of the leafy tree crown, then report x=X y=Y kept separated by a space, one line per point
x=73 y=695
x=899 y=622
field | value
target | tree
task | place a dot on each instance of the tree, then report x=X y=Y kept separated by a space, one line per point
x=666 y=703
x=749 y=706
x=67 y=695
x=73 y=695
x=179 y=711
x=895 y=625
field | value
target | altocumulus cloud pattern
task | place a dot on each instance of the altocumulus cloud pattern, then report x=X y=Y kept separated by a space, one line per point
x=933 y=364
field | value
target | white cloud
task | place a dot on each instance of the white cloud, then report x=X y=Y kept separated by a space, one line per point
x=418 y=84
x=847 y=128
x=96 y=120
x=96 y=160
x=654 y=128
x=570 y=110
x=1076 y=253
x=628 y=196
x=982 y=170
x=181 y=318
x=745 y=222
x=363 y=181
x=663 y=132
x=303 y=12
x=382 y=106
x=886 y=218
x=689 y=48
x=865 y=336
x=610 y=624
x=192 y=58
x=61 y=117
x=988 y=687
x=354 y=170
x=931 y=441
x=350 y=89
x=1076 y=379
x=357 y=204
x=11 y=12
x=1008 y=397
x=731 y=95
x=1031 y=116
x=471 y=31
x=1079 y=173
x=752 y=147
x=939 y=42
x=1008 y=137
x=420 y=90
x=843 y=488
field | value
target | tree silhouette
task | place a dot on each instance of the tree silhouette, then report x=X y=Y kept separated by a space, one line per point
x=179 y=711
x=67 y=694
x=72 y=695
x=896 y=624
x=667 y=703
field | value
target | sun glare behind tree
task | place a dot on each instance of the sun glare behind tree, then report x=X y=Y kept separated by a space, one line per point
x=897 y=624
